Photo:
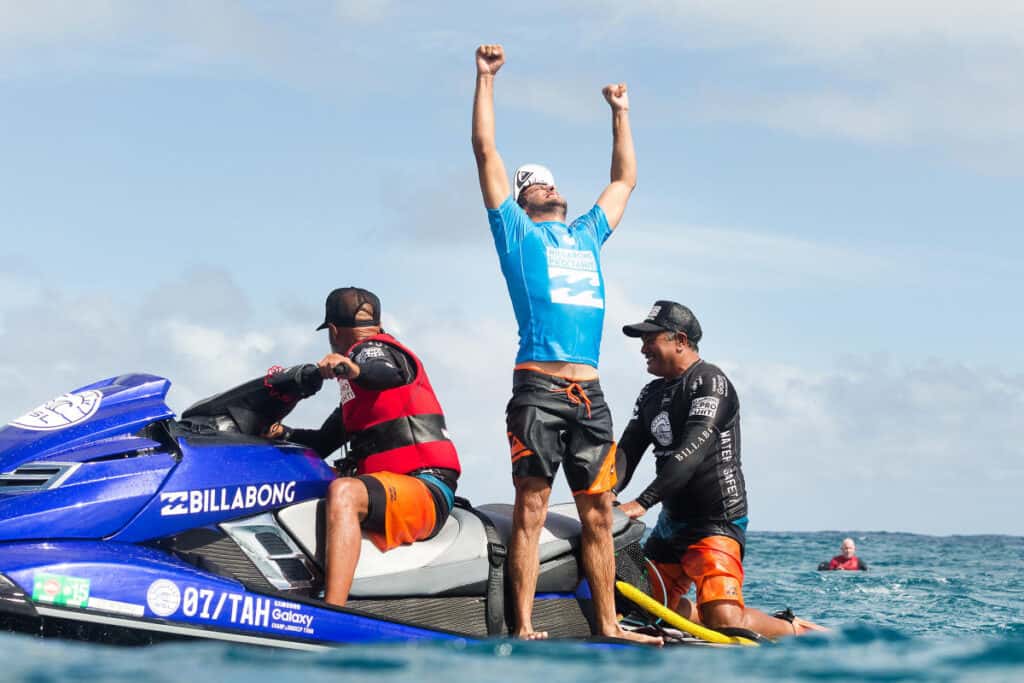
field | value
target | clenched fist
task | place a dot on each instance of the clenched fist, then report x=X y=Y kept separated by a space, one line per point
x=489 y=59
x=616 y=96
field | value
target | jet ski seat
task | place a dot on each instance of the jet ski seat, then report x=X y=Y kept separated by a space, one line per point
x=561 y=529
x=454 y=562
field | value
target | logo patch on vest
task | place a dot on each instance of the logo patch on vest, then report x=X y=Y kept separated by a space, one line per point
x=705 y=406
x=661 y=428
x=368 y=352
x=346 y=391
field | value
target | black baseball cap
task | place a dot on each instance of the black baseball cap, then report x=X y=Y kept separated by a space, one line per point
x=667 y=316
x=345 y=302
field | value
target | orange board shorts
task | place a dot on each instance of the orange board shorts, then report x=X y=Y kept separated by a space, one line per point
x=712 y=563
x=402 y=510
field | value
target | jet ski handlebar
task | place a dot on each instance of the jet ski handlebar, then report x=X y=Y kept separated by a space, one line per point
x=252 y=407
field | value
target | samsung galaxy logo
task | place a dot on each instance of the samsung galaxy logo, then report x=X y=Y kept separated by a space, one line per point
x=289 y=617
x=226 y=499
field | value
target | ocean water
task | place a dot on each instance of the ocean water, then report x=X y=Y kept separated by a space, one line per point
x=929 y=609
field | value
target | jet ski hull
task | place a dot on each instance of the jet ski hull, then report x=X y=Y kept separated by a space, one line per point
x=129 y=594
x=122 y=525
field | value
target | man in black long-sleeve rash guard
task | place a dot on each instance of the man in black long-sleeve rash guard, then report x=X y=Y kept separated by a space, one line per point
x=691 y=415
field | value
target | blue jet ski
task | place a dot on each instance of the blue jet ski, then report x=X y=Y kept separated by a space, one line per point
x=122 y=524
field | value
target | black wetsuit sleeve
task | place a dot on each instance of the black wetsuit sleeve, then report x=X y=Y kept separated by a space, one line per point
x=634 y=441
x=382 y=366
x=862 y=565
x=329 y=438
x=702 y=418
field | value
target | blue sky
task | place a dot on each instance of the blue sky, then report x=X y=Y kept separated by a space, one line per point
x=833 y=188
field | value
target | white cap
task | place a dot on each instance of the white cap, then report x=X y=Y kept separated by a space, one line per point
x=530 y=174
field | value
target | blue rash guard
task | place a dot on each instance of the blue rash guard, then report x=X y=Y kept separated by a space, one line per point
x=553 y=273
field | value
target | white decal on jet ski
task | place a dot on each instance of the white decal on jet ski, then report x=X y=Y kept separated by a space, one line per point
x=163 y=598
x=115 y=607
x=61 y=412
x=246 y=610
x=226 y=499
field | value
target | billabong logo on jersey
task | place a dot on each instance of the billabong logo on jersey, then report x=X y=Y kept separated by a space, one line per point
x=226 y=499
x=661 y=429
x=574 y=278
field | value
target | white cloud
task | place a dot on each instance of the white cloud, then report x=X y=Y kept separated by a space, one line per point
x=736 y=258
x=938 y=75
x=52 y=342
x=202 y=38
x=816 y=113
x=932 y=447
x=943 y=76
x=573 y=101
x=843 y=30
x=364 y=11
x=46 y=20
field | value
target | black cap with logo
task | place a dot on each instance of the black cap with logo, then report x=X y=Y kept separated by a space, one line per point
x=667 y=316
x=345 y=302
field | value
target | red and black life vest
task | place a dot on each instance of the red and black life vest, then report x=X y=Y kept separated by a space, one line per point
x=399 y=429
x=843 y=562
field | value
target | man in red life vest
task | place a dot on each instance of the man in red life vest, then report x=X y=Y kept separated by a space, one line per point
x=406 y=466
x=846 y=559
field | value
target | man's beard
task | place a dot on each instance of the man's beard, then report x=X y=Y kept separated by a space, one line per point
x=556 y=205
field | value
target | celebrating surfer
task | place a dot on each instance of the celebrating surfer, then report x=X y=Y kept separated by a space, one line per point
x=557 y=414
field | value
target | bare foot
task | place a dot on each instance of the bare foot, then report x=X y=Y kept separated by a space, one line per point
x=531 y=635
x=635 y=637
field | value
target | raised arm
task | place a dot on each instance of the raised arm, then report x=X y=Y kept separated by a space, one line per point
x=623 y=177
x=491 y=169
